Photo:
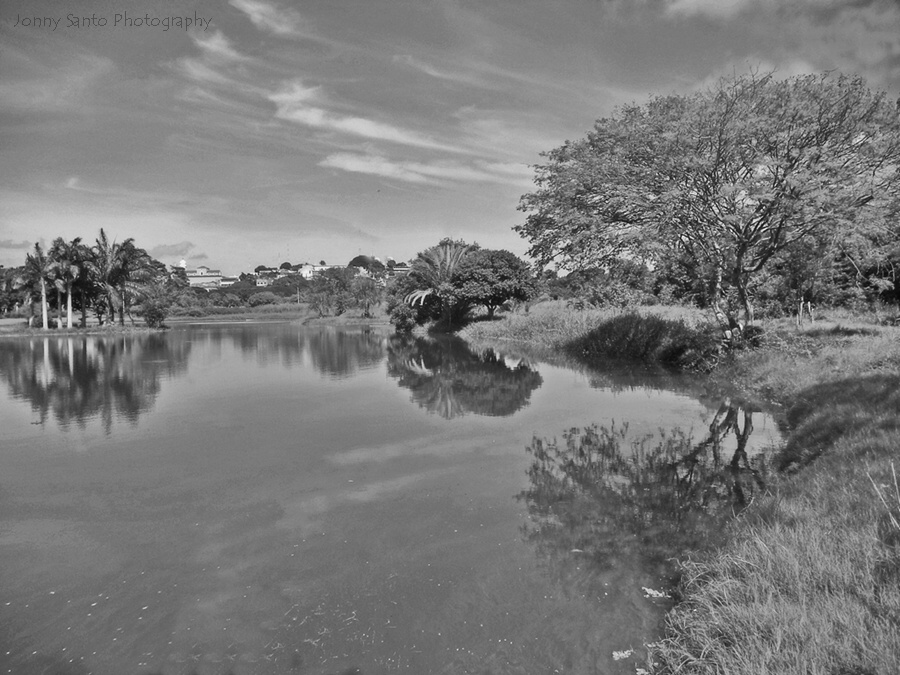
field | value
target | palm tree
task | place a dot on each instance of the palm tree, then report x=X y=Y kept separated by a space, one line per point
x=121 y=270
x=34 y=276
x=84 y=284
x=140 y=270
x=107 y=267
x=67 y=267
x=433 y=270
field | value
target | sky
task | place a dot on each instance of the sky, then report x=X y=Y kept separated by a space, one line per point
x=280 y=130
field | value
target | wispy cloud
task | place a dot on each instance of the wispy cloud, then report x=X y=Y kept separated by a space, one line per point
x=52 y=85
x=717 y=9
x=218 y=47
x=272 y=19
x=15 y=245
x=424 y=67
x=421 y=172
x=304 y=105
x=165 y=250
x=215 y=63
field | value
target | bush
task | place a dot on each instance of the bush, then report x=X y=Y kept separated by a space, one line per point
x=403 y=317
x=155 y=311
x=649 y=338
x=263 y=298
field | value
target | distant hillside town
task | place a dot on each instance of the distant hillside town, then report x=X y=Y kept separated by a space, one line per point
x=263 y=276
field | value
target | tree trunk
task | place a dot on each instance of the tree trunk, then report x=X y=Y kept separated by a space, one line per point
x=83 y=310
x=740 y=283
x=726 y=322
x=44 y=309
x=69 y=305
x=60 y=324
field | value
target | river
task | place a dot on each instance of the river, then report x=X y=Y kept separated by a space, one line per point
x=269 y=498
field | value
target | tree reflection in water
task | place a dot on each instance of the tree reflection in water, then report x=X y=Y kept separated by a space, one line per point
x=598 y=497
x=76 y=378
x=448 y=378
x=341 y=352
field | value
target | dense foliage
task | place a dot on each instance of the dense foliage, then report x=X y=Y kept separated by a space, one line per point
x=109 y=278
x=752 y=177
x=492 y=277
x=448 y=280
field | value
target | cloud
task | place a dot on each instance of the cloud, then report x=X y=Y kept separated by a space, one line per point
x=52 y=84
x=217 y=47
x=15 y=245
x=420 y=172
x=165 y=250
x=266 y=17
x=853 y=36
x=294 y=103
x=217 y=58
x=716 y=9
x=199 y=256
x=417 y=64
x=369 y=164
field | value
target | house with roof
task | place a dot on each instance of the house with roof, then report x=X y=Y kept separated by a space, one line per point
x=202 y=276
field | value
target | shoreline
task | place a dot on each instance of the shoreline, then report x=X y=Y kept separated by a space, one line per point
x=16 y=328
x=808 y=578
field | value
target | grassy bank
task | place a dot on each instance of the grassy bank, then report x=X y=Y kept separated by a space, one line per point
x=809 y=581
x=23 y=330
x=676 y=336
x=282 y=312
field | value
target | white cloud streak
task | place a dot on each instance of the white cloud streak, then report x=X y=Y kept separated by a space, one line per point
x=716 y=9
x=426 y=173
x=272 y=19
x=303 y=105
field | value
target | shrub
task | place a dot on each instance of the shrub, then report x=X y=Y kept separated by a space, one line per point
x=403 y=317
x=649 y=338
x=263 y=298
x=155 y=311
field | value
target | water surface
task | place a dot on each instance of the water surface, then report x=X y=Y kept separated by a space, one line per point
x=278 y=499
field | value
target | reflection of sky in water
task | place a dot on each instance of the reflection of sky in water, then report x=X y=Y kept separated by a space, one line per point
x=280 y=499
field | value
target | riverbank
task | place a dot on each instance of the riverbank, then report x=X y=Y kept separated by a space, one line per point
x=809 y=581
x=19 y=328
x=281 y=313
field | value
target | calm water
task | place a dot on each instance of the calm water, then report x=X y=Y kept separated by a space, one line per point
x=277 y=499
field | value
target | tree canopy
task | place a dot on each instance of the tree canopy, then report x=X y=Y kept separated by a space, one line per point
x=490 y=277
x=726 y=178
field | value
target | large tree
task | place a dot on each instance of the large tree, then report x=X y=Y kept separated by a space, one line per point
x=432 y=271
x=34 y=279
x=68 y=264
x=490 y=277
x=727 y=177
x=122 y=270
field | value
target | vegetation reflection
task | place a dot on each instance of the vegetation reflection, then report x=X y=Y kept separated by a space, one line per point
x=77 y=378
x=341 y=352
x=599 y=497
x=336 y=352
x=448 y=378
